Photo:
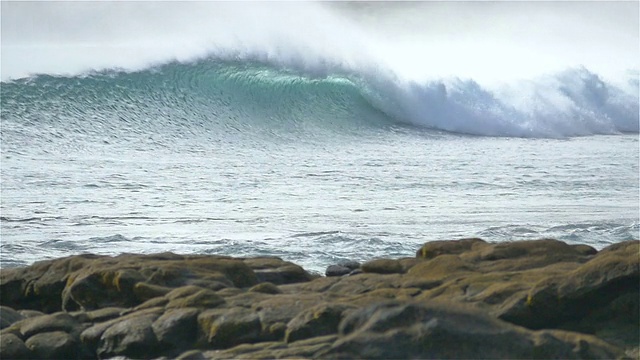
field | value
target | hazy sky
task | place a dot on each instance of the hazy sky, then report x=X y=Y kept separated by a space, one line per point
x=514 y=36
x=483 y=40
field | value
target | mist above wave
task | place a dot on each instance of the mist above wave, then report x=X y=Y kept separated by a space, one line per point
x=486 y=42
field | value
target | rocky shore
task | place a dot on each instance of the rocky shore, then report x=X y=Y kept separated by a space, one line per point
x=463 y=299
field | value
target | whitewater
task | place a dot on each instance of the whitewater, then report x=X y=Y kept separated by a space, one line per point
x=315 y=132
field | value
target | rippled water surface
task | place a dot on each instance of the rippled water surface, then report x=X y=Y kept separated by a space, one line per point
x=315 y=200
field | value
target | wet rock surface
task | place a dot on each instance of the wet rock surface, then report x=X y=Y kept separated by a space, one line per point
x=456 y=299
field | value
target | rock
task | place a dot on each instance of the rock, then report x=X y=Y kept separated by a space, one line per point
x=584 y=249
x=383 y=266
x=395 y=330
x=287 y=274
x=177 y=329
x=132 y=338
x=350 y=264
x=12 y=347
x=91 y=336
x=104 y=314
x=92 y=290
x=224 y=328
x=455 y=299
x=201 y=298
x=144 y=291
x=39 y=285
x=319 y=320
x=48 y=323
x=8 y=316
x=30 y=313
x=442 y=268
x=266 y=288
x=363 y=283
x=337 y=270
x=524 y=255
x=433 y=249
x=342 y=268
x=53 y=345
x=571 y=296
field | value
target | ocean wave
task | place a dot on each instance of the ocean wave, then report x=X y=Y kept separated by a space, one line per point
x=244 y=96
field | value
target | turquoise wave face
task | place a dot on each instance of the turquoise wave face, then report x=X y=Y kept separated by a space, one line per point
x=225 y=99
x=220 y=101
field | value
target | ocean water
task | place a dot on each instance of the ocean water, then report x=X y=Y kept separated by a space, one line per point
x=298 y=144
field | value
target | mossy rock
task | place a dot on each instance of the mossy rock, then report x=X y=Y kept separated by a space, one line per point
x=202 y=299
x=319 y=320
x=177 y=330
x=145 y=291
x=266 y=288
x=90 y=290
x=433 y=249
x=224 y=329
x=132 y=337
x=442 y=268
x=383 y=266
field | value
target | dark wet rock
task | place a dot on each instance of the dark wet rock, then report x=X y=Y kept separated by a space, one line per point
x=8 y=316
x=342 y=268
x=12 y=347
x=133 y=338
x=288 y=274
x=337 y=270
x=350 y=264
x=383 y=266
x=53 y=345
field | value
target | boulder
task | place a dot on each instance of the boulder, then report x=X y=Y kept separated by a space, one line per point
x=224 y=328
x=409 y=330
x=266 y=288
x=319 y=320
x=176 y=330
x=337 y=270
x=433 y=249
x=133 y=337
x=383 y=266
x=48 y=323
x=12 y=347
x=9 y=316
x=53 y=345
